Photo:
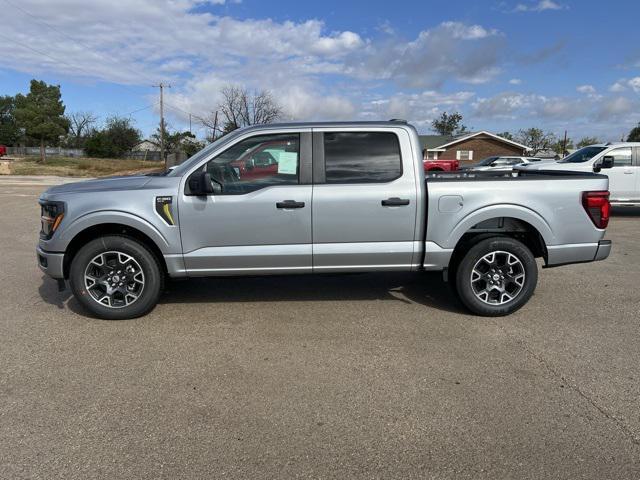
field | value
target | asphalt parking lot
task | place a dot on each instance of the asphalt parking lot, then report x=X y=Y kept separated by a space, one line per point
x=360 y=376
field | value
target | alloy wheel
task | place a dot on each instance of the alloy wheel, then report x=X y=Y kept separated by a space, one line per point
x=114 y=279
x=498 y=278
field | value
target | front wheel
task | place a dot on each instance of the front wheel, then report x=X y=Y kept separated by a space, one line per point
x=496 y=276
x=116 y=277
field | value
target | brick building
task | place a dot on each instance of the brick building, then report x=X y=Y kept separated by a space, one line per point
x=469 y=147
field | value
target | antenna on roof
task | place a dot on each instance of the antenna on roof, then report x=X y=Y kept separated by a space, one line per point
x=398 y=120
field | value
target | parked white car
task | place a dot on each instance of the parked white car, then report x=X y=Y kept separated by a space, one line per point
x=500 y=164
x=619 y=161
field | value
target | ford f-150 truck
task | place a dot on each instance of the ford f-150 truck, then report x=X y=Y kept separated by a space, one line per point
x=344 y=197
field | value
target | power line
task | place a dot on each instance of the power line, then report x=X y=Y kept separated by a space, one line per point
x=161 y=85
x=197 y=117
x=64 y=34
x=77 y=68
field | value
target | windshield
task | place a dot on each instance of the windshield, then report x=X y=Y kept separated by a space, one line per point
x=486 y=162
x=583 y=155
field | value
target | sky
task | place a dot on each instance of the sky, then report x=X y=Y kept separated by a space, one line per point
x=504 y=64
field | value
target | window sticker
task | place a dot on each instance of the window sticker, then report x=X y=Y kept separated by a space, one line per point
x=288 y=163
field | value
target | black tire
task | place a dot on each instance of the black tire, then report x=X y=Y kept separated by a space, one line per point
x=143 y=259
x=506 y=295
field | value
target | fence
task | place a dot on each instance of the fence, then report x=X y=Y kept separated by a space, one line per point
x=148 y=155
x=35 y=151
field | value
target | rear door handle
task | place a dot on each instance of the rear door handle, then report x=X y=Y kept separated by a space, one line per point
x=290 y=204
x=395 y=202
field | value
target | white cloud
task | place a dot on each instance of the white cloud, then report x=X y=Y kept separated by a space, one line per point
x=540 y=6
x=504 y=105
x=449 y=51
x=618 y=87
x=515 y=81
x=586 y=89
x=634 y=83
x=591 y=107
x=625 y=84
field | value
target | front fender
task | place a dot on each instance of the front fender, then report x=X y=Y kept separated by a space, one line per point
x=60 y=242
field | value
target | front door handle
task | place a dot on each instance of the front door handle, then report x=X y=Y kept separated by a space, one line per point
x=290 y=204
x=395 y=202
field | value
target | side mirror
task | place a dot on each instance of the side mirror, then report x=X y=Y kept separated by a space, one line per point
x=607 y=162
x=201 y=184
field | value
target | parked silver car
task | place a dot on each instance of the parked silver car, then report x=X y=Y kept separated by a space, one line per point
x=339 y=197
x=498 y=163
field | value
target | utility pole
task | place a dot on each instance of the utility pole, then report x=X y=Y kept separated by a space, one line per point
x=564 y=145
x=161 y=86
x=189 y=123
x=215 y=127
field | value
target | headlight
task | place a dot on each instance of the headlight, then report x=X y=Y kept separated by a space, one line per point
x=51 y=216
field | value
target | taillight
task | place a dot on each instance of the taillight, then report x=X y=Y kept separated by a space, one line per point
x=597 y=206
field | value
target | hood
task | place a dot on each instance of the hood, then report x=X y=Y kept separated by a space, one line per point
x=543 y=165
x=101 y=185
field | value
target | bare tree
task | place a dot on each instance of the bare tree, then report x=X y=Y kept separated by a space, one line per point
x=240 y=108
x=536 y=139
x=79 y=125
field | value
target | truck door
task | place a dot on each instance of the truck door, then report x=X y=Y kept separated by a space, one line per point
x=623 y=176
x=364 y=200
x=253 y=224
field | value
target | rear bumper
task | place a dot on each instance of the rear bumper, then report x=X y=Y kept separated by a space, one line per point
x=604 y=249
x=558 y=255
x=51 y=263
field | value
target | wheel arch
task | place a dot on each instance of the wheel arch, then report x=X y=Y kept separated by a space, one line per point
x=508 y=226
x=91 y=232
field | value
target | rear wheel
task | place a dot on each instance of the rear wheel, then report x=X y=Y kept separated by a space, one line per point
x=496 y=276
x=116 y=277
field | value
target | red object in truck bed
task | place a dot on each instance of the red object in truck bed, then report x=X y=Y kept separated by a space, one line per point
x=441 y=165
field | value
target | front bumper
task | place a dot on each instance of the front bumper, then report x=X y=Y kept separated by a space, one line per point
x=51 y=263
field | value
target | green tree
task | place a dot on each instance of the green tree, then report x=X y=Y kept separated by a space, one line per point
x=118 y=137
x=178 y=141
x=584 y=141
x=9 y=131
x=536 y=139
x=560 y=148
x=634 y=134
x=507 y=135
x=448 y=124
x=41 y=114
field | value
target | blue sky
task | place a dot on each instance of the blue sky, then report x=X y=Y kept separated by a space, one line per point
x=505 y=64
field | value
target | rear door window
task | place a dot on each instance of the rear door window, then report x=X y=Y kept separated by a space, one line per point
x=361 y=157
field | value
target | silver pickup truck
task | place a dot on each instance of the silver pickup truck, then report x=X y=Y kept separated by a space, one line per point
x=315 y=198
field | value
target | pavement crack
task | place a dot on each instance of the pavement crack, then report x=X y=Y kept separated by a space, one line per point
x=627 y=431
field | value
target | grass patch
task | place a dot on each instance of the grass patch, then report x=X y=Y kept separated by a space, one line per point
x=83 y=167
